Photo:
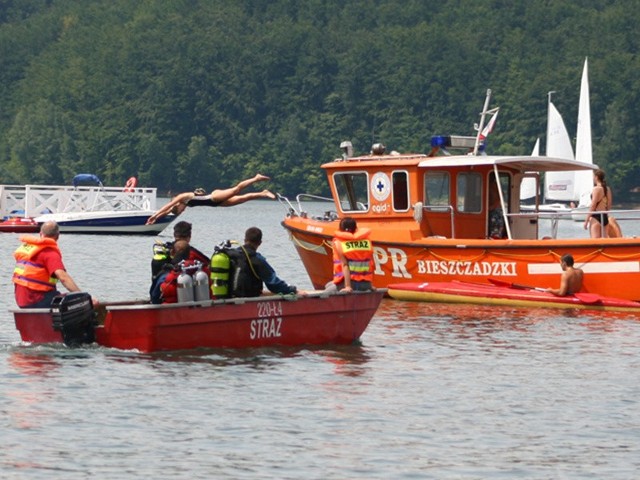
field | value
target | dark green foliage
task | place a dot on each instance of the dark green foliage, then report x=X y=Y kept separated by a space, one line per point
x=195 y=93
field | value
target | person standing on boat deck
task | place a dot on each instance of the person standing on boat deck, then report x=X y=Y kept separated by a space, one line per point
x=601 y=200
x=253 y=269
x=38 y=268
x=162 y=261
x=218 y=198
x=497 y=227
x=352 y=257
x=571 y=280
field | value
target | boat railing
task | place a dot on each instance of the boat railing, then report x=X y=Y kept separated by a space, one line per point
x=443 y=208
x=60 y=199
x=298 y=211
x=12 y=200
x=621 y=215
x=289 y=297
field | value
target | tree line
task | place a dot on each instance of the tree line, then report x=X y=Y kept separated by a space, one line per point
x=202 y=93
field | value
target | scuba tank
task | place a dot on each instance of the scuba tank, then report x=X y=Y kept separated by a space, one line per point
x=220 y=269
x=200 y=285
x=185 y=286
x=161 y=251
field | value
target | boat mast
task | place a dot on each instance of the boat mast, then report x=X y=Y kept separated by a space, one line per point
x=483 y=115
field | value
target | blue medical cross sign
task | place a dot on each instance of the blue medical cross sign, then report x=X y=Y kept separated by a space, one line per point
x=380 y=186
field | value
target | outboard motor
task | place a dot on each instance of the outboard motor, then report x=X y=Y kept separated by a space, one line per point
x=73 y=315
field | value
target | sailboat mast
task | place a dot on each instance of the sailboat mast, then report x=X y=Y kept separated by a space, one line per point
x=549 y=122
x=483 y=114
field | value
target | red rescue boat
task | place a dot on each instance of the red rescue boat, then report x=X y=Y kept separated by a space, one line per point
x=277 y=320
x=19 y=225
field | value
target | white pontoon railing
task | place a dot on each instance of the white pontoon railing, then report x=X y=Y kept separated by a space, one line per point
x=36 y=200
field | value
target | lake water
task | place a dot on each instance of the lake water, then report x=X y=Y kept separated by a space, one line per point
x=432 y=391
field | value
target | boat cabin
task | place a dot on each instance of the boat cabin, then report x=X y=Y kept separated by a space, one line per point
x=441 y=196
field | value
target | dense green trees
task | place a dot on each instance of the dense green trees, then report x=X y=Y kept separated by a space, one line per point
x=186 y=93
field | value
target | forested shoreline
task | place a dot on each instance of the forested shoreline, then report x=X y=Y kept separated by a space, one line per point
x=188 y=93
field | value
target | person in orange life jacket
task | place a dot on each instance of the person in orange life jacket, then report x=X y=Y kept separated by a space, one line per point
x=38 y=268
x=218 y=198
x=169 y=285
x=162 y=260
x=352 y=257
x=253 y=269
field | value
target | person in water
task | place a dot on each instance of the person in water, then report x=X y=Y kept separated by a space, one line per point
x=218 y=198
x=571 y=280
x=601 y=201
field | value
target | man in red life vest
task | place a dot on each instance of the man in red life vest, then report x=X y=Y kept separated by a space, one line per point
x=169 y=286
x=162 y=264
x=39 y=267
x=352 y=257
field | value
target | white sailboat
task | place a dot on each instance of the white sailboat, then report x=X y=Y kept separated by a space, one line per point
x=529 y=185
x=584 y=153
x=564 y=188
x=558 y=186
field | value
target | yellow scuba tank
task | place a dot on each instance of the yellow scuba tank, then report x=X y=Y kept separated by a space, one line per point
x=220 y=269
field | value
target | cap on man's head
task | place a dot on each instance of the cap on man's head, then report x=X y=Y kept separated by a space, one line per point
x=182 y=230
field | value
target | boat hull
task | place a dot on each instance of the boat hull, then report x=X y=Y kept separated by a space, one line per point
x=108 y=222
x=19 y=225
x=485 y=294
x=314 y=319
x=611 y=266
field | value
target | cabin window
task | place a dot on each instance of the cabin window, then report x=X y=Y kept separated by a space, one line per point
x=400 y=191
x=353 y=191
x=436 y=190
x=469 y=192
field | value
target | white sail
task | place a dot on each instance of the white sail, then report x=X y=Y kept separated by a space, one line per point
x=528 y=185
x=584 y=179
x=558 y=186
x=536 y=148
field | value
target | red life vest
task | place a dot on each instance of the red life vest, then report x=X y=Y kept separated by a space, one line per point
x=357 y=249
x=169 y=287
x=32 y=274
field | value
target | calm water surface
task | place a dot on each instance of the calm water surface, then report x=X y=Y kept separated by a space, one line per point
x=432 y=391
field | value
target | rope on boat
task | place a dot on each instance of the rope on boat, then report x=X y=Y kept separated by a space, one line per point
x=582 y=259
x=315 y=248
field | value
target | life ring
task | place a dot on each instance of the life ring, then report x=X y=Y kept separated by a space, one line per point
x=131 y=184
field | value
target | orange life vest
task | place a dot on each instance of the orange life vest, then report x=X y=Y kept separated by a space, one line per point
x=357 y=249
x=32 y=274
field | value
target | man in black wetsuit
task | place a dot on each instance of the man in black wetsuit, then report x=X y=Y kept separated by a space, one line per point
x=254 y=270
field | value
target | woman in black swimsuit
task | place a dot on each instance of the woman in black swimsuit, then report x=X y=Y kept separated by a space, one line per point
x=218 y=198
x=601 y=199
